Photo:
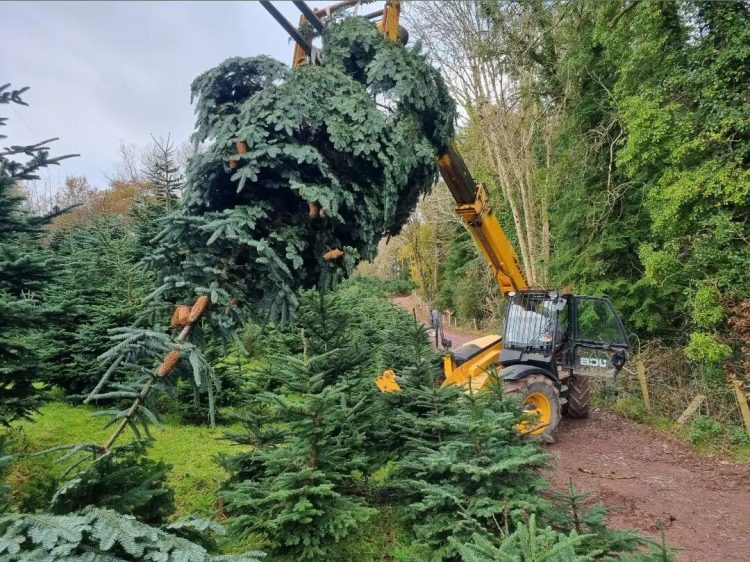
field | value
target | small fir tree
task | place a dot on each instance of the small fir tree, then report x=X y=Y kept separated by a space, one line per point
x=297 y=486
x=574 y=512
x=98 y=288
x=124 y=480
x=528 y=543
x=462 y=468
x=164 y=175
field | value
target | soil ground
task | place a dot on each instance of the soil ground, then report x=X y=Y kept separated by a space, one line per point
x=644 y=476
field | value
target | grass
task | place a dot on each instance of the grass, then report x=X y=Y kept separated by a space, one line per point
x=195 y=476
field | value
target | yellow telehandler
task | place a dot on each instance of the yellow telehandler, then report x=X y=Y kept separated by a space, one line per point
x=553 y=341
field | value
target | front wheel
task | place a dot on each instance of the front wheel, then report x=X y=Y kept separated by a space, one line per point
x=540 y=402
x=579 y=397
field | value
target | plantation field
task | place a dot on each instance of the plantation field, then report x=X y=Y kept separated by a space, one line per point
x=585 y=450
x=224 y=301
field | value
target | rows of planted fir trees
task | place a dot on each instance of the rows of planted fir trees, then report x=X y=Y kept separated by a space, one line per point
x=58 y=299
x=319 y=465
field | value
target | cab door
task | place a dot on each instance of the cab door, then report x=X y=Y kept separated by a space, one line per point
x=599 y=343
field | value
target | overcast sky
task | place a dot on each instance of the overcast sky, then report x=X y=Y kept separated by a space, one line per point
x=101 y=72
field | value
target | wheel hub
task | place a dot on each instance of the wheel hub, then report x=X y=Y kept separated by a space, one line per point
x=537 y=414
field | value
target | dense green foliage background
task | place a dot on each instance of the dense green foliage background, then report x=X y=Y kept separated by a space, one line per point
x=648 y=173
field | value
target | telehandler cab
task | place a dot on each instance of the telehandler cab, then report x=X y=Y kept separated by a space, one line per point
x=553 y=341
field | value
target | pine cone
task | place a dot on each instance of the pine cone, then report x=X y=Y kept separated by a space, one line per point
x=169 y=363
x=313 y=210
x=200 y=306
x=181 y=316
x=334 y=254
x=241 y=149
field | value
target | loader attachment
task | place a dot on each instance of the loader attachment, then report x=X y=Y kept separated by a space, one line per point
x=387 y=382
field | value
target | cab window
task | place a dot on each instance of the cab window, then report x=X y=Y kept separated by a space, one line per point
x=598 y=323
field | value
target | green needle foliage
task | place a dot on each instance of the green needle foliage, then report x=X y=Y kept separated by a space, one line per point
x=320 y=155
x=99 y=535
x=316 y=424
x=462 y=469
x=25 y=271
x=98 y=288
x=295 y=486
x=574 y=513
x=124 y=480
x=5 y=450
x=528 y=543
x=163 y=173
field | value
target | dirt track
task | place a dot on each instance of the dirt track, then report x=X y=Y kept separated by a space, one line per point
x=644 y=476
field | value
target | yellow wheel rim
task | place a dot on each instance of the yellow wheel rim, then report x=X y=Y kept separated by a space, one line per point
x=537 y=414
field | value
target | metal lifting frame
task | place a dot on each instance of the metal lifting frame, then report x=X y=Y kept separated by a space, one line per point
x=305 y=51
x=303 y=43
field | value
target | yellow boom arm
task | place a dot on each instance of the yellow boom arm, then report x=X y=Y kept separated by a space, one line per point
x=470 y=370
x=474 y=208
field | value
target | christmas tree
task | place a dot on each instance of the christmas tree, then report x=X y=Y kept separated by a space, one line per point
x=294 y=158
x=295 y=487
x=98 y=287
x=25 y=271
x=462 y=469
x=124 y=480
x=291 y=159
x=164 y=175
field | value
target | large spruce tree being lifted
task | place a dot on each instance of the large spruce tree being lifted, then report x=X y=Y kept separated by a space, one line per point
x=301 y=162
x=301 y=173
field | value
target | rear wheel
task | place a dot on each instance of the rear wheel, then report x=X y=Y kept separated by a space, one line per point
x=579 y=397
x=540 y=403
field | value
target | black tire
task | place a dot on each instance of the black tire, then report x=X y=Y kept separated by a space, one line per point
x=543 y=385
x=579 y=397
x=403 y=35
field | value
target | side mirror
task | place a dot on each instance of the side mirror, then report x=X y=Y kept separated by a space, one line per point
x=618 y=359
x=434 y=318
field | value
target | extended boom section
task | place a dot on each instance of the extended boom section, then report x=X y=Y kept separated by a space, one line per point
x=474 y=207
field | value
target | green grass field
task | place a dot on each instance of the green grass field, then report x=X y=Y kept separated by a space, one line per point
x=195 y=476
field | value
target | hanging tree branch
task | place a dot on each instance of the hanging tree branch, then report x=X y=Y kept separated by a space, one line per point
x=163 y=370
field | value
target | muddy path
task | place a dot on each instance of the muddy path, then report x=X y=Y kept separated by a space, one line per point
x=644 y=476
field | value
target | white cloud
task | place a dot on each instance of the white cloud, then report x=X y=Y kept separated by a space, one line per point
x=101 y=72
